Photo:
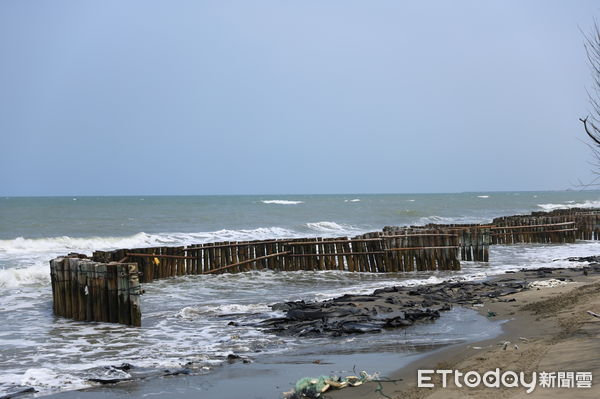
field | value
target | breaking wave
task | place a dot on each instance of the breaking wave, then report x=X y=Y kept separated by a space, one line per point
x=65 y=244
x=332 y=227
x=282 y=202
x=30 y=275
x=569 y=205
x=449 y=220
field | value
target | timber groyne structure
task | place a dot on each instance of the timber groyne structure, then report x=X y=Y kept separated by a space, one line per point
x=106 y=286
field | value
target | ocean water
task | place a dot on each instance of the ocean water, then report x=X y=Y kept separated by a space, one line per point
x=185 y=320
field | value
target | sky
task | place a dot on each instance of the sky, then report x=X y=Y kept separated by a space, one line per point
x=291 y=97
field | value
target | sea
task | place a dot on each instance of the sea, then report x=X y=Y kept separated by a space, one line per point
x=186 y=321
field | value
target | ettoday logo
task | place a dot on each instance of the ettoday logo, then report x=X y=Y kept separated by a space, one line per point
x=507 y=379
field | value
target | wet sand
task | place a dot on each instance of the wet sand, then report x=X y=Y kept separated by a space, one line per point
x=268 y=376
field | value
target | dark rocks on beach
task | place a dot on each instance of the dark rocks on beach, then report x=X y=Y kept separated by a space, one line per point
x=124 y=367
x=396 y=307
x=19 y=392
x=390 y=307
x=591 y=259
x=107 y=380
x=128 y=372
x=182 y=371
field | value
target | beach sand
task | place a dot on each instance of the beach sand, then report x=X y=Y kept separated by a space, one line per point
x=552 y=332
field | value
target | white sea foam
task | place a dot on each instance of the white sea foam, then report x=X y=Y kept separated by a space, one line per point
x=483 y=196
x=260 y=233
x=24 y=261
x=570 y=204
x=355 y=200
x=282 y=202
x=18 y=276
x=46 y=379
x=66 y=244
x=192 y=312
x=449 y=220
x=332 y=227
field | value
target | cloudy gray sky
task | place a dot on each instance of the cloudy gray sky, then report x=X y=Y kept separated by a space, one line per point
x=263 y=97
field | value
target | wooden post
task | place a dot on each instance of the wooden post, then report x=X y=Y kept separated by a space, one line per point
x=123 y=294
x=112 y=276
x=134 y=293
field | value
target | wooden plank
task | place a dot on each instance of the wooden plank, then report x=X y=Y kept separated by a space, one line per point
x=532 y=232
x=93 y=293
x=60 y=286
x=123 y=297
x=333 y=254
x=245 y=262
x=420 y=248
x=53 y=281
x=87 y=269
x=339 y=247
x=112 y=292
x=73 y=287
x=134 y=293
x=531 y=225
x=103 y=297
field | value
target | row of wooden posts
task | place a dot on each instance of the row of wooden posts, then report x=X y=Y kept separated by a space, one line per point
x=377 y=252
x=106 y=287
x=586 y=222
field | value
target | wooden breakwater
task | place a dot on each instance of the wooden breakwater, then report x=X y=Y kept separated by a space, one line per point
x=85 y=290
x=106 y=287
x=375 y=252
x=586 y=222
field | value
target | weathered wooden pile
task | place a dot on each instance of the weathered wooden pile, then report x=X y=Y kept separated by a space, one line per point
x=107 y=286
x=85 y=290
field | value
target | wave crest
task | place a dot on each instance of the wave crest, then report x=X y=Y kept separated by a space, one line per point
x=17 y=277
x=331 y=227
x=569 y=205
x=282 y=202
x=65 y=244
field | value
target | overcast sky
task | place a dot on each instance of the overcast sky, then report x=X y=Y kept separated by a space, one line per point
x=266 y=97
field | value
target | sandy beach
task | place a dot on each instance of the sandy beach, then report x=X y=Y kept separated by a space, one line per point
x=546 y=329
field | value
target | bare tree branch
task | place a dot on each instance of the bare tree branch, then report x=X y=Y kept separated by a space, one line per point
x=584 y=120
